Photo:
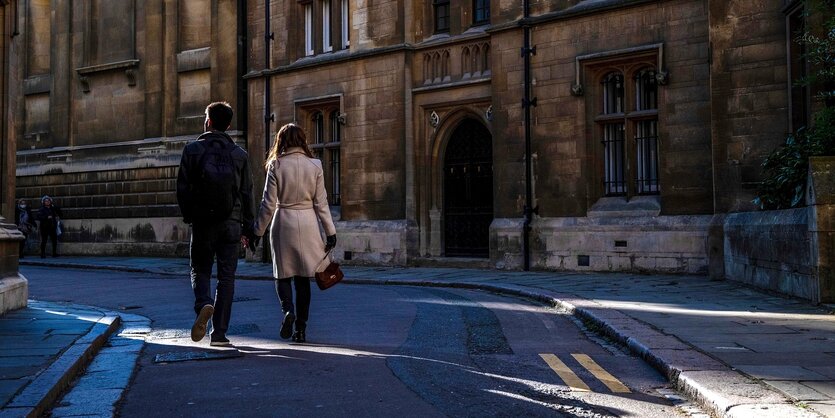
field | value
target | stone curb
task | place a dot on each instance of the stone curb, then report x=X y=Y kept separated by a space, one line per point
x=45 y=389
x=719 y=389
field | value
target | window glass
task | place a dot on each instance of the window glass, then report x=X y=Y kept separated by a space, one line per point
x=646 y=90
x=441 y=15
x=327 y=41
x=613 y=93
x=308 y=29
x=346 y=33
x=481 y=12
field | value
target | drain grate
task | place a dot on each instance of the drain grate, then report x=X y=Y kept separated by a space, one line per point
x=196 y=356
x=238 y=329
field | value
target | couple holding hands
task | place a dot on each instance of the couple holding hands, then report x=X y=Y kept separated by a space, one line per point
x=214 y=192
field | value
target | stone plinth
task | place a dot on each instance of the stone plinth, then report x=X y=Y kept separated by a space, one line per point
x=14 y=290
x=821 y=198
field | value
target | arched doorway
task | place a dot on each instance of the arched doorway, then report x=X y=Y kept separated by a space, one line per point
x=468 y=191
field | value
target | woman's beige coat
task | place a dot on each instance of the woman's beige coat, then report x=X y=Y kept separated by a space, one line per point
x=295 y=201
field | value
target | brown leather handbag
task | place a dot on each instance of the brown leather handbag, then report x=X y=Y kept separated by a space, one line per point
x=330 y=276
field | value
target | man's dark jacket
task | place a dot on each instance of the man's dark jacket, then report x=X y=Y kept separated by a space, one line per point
x=244 y=210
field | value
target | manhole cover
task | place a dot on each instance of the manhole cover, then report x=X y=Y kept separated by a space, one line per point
x=243 y=329
x=169 y=334
x=244 y=299
x=196 y=355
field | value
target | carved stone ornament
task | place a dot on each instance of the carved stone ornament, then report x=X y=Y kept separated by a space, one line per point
x=577 y=90
x=434 y=119
x=662 y=77
x=489 y=113
x=341 y=118
x=85 y=84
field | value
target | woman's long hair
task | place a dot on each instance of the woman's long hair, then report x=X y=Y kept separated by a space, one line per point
x=289 y=136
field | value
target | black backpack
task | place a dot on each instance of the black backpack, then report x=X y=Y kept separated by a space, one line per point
x=216 y=186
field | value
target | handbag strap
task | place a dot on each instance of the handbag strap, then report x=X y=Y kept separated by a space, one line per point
x=323 y=259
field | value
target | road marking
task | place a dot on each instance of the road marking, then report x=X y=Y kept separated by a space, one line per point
x=601 y=374
x=571 y=380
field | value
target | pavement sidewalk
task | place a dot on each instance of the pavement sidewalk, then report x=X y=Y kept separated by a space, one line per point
x=43 y=347
x=737 y=351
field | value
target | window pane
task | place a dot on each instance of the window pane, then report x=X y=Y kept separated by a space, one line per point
x=308 y=29
x=327 y=42
x=481 y=11
x=334 y=198
x=441 y=15
x=336 y=128
x=614 y=159
x=613 y=93
x=646 y=89
x=647 y=157
x=346 y=33
x=319 y=128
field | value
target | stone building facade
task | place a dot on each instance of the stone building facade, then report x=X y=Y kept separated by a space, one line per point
x=112 y=90
x=651 y=118
x=650 y=121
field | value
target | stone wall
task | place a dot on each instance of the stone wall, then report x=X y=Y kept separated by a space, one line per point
x=788 y=251
x=566 y=147
x=772 y=250
x=749 y=95
x=111 y=93
x=663 y=244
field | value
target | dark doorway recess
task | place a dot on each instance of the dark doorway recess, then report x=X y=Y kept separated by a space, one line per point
x=468 y=191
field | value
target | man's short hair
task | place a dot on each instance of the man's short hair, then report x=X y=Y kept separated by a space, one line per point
x=220 y=113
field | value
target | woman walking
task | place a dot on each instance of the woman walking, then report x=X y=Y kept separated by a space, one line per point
x=25 y=222
x=295 y=202
x=49 y=215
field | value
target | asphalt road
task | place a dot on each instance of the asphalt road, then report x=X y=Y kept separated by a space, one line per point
x=371 y=351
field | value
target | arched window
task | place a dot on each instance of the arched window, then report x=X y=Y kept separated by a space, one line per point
x=466 y=67
x=628 y=129
x=613 y=93
x=646 y=132
x=614 y=147
x=326 y=123
x=485 y=56
x=318 y=128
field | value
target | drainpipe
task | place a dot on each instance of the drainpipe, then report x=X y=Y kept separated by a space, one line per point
x=527 y=103
x=243 y=69
x=269 y=36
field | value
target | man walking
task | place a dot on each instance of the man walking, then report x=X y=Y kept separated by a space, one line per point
x=214 y=191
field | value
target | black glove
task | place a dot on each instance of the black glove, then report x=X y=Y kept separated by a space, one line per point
x=249 y=233
x=253 y=242
x=330 y=242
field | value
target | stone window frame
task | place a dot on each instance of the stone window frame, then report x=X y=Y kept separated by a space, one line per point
x=481 y=4
x=799 y=97
x=327 y=25
x=437 y=20
x=315 y=33
x=630 y=119
x=323 y=120
x=345 y=23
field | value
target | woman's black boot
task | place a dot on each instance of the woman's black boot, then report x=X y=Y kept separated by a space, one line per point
x=299 y=336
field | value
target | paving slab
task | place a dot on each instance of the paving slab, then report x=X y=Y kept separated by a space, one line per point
x=49 y=344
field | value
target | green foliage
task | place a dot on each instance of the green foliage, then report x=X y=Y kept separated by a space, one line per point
x=785 y=169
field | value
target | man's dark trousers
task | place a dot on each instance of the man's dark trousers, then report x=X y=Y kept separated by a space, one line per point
x=208 y=241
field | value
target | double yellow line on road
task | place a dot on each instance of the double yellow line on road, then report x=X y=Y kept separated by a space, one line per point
x=574 y=382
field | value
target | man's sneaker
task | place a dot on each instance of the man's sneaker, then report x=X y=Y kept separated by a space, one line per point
x=287 y=325
x=220 y=342
x=198 y=330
